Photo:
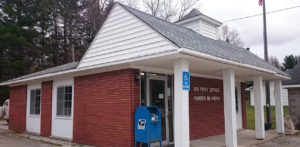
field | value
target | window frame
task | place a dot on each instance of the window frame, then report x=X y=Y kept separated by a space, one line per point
x=40 y=110
x=72 y=99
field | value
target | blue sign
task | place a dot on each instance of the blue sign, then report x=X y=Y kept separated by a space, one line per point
x=185 y=80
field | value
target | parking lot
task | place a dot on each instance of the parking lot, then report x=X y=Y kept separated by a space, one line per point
x=12 y=139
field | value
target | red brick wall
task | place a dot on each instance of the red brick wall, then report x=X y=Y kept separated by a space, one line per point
x=243 y=94
x=206 y=117
x=17 y=108
x=104 y=106
x=46 y=108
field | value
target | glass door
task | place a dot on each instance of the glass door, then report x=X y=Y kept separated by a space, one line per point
x=157 y=96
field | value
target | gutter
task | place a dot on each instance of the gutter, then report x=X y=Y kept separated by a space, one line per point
x=220 y=60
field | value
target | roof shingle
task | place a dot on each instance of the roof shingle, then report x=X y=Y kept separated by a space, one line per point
x=295 y=75
x=60 y=68
x=189 y=39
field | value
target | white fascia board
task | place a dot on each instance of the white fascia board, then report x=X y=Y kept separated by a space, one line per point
x=166 y=53
x=290 y=86
x=224 y=61
x=214 y=22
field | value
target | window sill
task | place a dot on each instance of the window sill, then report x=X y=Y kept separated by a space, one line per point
x=36 y=116
x=62 y=117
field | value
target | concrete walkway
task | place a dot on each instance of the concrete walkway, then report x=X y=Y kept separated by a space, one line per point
x=246 y=138
x=12 y=139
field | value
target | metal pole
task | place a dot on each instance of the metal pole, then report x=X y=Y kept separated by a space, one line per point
x=267 y=84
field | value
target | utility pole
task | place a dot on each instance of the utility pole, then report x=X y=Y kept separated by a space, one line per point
x=267 y=84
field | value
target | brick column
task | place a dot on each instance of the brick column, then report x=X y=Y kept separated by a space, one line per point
x=17 y=106
x=46 y=108
x=243 y=94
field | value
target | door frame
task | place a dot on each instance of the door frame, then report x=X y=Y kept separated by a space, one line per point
x=165 y=79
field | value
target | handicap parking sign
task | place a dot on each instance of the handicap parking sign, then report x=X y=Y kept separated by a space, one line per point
x=185 y=80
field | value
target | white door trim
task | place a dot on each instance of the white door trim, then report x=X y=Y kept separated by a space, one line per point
x=33 y=122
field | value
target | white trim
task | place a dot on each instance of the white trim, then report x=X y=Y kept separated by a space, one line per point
x=290 y=86
x=224 y=61
x=171 y=72
x=210 y=20
x=159 y=54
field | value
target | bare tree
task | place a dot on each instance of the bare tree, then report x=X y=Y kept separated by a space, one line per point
x=130 y=3
x=168 y=9
x=274 y=61
x=231 y=36
x=186 y=6
x=153 y=6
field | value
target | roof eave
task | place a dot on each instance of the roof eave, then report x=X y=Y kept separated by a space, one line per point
x=213 y=58
x=211 y=20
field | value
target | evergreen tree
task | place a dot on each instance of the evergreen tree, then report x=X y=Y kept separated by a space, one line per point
x=290 y=61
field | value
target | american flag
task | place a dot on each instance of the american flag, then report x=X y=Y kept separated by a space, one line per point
x=261 y=2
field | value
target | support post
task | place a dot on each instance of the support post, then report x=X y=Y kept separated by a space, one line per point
x=278 y=106
x=229 y=108
x=259 y=108
x=181 y=106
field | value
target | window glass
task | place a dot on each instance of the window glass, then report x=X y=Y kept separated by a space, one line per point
x=143 y=89
x=64 y=101
x=35 y=101
x=236 y=101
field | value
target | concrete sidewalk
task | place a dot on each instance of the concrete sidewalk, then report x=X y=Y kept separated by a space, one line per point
x=245 y=138
x=12 y=139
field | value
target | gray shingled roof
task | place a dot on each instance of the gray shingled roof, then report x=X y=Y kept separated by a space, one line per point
x=192 y=14
x=60 y=68
x=189 y=39
x=295 y=75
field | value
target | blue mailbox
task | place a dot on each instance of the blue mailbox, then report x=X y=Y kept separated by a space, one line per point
x=147 y=123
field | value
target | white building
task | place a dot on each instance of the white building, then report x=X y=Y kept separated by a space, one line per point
x=284 y=97
x=139 y=60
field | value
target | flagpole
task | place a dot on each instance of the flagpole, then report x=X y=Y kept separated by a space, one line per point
x=267 y=84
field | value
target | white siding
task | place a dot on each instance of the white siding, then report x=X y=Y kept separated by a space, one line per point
x=123 y=37
x=284 y=95
x=209 y=30
x=194 y=25
x=202 y=27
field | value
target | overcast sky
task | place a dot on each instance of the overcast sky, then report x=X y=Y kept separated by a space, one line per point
x=283 y=27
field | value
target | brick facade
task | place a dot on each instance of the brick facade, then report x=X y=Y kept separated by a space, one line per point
x=243 y=97
x=206 y=116
x=17 y=105
x=46 y=108
x=104 y=106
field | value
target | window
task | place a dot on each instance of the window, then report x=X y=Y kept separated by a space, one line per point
x=35 y=102
x=64 y=101
x=236 y=100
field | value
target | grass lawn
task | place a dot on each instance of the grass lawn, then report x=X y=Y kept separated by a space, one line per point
x=250 y=115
